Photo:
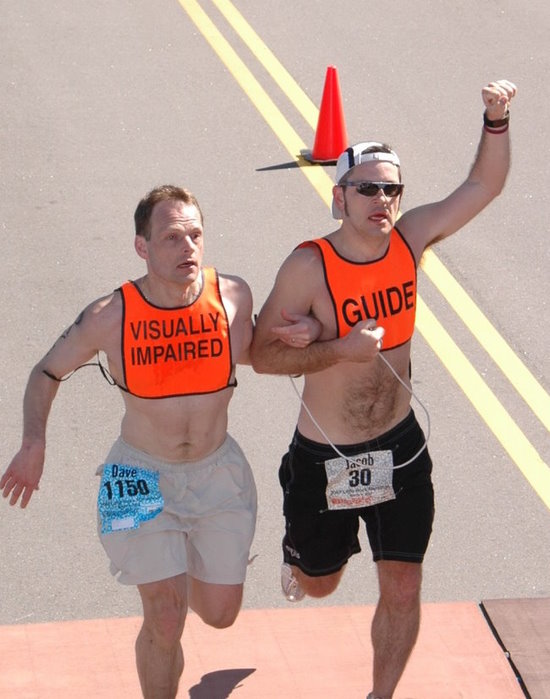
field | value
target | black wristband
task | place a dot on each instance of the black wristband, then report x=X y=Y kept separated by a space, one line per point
x=495 y=124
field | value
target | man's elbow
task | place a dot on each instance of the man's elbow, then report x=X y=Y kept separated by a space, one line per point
x=493 y=187
x=259 y=365
x=258 y=359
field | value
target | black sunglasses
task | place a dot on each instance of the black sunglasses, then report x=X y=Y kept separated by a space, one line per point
x=370 y=189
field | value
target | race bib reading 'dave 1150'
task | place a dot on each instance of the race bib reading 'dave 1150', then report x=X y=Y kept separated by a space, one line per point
x=128 y=496
x=359 y=481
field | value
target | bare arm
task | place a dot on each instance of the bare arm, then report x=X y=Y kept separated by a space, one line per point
x=74 y=347
x=237 y=299
x=428 y=224
x=297 y=288
x=25 y=470
x=297 y=330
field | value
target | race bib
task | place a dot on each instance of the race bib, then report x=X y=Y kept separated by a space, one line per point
x=359 y=481
x=128 y=496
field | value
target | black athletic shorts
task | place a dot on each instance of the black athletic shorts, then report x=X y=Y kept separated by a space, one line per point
x=320 y=541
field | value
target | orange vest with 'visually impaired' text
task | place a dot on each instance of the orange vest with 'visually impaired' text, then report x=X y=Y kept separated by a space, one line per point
x=383 y=289
x=176 y=351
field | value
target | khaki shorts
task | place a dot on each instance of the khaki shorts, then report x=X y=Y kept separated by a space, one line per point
x=205 y=528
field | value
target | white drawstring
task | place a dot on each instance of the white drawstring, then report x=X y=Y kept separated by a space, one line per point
x=350 y=459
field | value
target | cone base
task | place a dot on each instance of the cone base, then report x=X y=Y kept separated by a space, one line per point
x=308 y=155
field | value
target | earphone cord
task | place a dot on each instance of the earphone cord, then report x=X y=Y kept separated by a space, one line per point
x=350 y=459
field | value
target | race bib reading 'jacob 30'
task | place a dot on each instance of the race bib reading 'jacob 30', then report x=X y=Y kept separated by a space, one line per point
x=127 y=497
x=359 y=481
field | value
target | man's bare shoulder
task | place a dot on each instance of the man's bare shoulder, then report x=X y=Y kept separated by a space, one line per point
x=307 y=253
x=231 y=282
x=298 y=288
x=105 y=309
x=96 y=328
x=236 y=293
x=101 y=319
x=234 y=287
x=416 y=226
x=302 y=267
x=301 y=270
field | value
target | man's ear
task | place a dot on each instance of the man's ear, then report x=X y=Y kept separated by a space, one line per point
x=338 y=195
x=140 y=244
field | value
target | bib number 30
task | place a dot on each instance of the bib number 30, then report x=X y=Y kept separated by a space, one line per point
x=362 y=480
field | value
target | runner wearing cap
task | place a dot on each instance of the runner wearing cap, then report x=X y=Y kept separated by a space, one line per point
x=358 y=451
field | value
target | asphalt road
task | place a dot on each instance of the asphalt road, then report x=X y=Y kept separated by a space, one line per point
x=102 y=101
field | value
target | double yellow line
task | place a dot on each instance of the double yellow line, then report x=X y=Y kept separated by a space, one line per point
x=516 y=444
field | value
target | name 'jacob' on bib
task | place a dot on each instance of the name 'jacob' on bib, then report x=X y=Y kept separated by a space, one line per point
x=362 y=480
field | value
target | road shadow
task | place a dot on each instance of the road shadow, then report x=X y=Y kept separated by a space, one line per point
x=219 y=684
x=282 y=166
x=302 y=160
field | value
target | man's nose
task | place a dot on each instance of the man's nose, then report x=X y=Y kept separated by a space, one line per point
x=188 y=243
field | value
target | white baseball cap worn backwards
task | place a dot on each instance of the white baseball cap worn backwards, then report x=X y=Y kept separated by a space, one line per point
x=356 y=155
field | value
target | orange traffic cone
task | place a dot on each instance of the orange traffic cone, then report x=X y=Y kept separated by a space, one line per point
x=331 y=137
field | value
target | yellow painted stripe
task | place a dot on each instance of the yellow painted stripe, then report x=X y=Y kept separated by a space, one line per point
x=509 y=363
x=485 y=333
x=258 y=96
x=490 y=339
x=498 y=420
x=270 y=62
x=488 y=406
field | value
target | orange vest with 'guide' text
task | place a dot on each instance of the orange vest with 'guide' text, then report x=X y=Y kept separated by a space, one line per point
x=383 y=289
x=176 y=351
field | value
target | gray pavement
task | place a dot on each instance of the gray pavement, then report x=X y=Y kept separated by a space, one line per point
x=102 y=101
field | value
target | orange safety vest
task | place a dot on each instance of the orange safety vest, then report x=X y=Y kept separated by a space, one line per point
x=383 y=289
x=176 y=351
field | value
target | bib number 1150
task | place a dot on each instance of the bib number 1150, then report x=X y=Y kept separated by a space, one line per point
x=128 y=486
x=128 y=496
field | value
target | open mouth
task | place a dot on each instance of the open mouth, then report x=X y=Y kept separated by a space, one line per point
x=378 y=218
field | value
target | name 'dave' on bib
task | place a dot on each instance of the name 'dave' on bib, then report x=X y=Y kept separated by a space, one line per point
x=128 y=496
x=362 y=480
